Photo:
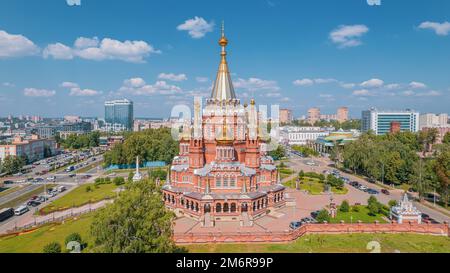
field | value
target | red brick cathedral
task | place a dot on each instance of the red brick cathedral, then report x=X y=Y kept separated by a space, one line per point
x=222 y=172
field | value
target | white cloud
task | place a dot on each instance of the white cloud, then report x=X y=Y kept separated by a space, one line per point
x=303 y=82
x=8 y=84
x=202 y=79
x=408 y=93
x=33 y=92
x=255 y=84
x=347 y=85
x=431 y=93
x=76 y=91
x=73 y=2
x=138 y=87
x=285 y=99
x=197 y=27
x=362 y=93
x=58 y=51
x=16 y=46
x=172 y=77
x=107 y=49
x=373 y=83
x=348 y=35
x=273 y=95
x=393 y=86
x=442 y=29
x=83 y=42
x=417 y=85
x=309 y=82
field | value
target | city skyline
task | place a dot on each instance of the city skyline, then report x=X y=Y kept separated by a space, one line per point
x=298 y=62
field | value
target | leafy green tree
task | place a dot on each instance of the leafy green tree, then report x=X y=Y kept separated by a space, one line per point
x=442 y=169
x=130 y=176
x=446 y=138
x=74 y=237
x=118 y=181
x=137 y=222
x=392 y=203
x=344 y=207
x=323 y=216
x=278 y=153
x=53 y=247
x=158 y=173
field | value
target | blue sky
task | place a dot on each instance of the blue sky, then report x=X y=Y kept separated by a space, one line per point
x=57 y=59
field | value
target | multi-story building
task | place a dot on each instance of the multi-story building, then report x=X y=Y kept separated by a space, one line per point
x=286 y=116
x=32 y=149
x=313 y=115
x=342 y=114
x=222 y=172
x=433 y=121
x=64 y=129
x=301 y=135
x=380 y=121
x=119 y=115
x=72 y=119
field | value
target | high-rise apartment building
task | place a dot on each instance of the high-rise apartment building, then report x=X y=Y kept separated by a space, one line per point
x=313 y=115
x=286 y=116
x=119 y=115
x=342 y=114
x=433 y=121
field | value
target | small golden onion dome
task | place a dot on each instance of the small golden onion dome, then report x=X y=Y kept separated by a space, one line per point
x=223 y=41
x=252 y=102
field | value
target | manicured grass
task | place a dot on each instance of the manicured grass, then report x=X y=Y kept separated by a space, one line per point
x=24 y=198
x=313 y=186
x=338 y=243
x=35 y=241
x=80 y=196
x=362 y=215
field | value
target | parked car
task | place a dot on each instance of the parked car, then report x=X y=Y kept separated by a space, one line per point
x=384 y=191
x=61 y=188
x=363 y=188
x=372 y=191
x=33 y=203
x=295 y=225
x=308 y=220
x=315 y=213
x=21 y=210
x=354 y=184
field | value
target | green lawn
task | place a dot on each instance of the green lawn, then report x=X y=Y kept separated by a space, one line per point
x=338 y=243
x=313 y=186
x=35 y=241
x=362 y=215
x=80 y=196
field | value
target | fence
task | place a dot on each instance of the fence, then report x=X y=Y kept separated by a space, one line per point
x=149 y=164
x=287 y=236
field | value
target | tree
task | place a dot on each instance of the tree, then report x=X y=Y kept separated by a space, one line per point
x=442 y=169
x=74 y=237
x=374 y=206
x=323 y=216
x=446 y=139
x=118 y=180
x=345 y=207
x=137 y=222
x=53 y=247
x=392 y=203
x=278 y=153
x=130 y=176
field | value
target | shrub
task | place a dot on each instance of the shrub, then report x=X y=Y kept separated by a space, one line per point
x=345 y=207
x=53 y=247
x=74 y=237
x=130 y=176
x=88 y=189
x=323 y=216
x=392 y=203
x=119 y=181
x=107 y=180
x=355 y=208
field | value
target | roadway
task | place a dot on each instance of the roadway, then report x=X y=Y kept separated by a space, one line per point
x=321 y=164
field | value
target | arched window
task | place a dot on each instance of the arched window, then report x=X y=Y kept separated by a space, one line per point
x=233 y=207
x=218 y=207
x=225 y=207
x=232 y=182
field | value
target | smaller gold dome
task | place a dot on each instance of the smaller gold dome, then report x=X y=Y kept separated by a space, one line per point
x=223 y=41
x=252 y=102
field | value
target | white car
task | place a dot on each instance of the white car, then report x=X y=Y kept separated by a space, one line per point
x=21 y=210
x=363 y=188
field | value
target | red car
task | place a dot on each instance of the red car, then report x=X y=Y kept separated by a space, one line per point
x=385 y=191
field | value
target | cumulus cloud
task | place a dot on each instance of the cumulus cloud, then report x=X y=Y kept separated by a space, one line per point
x=348 y=35
x=441 y=29
x=106 y=49
x=76 y=91
x=33 y=92
x=310 y=82
x=417 y=85
x=362 y=92
x=12 y=45
x=172 y=77
x=197 y=27
x=255 y=84
x=138 y=87
x=8 y=84
x=372 y=83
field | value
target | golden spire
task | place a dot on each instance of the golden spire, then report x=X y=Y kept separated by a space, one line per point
x=223 y=87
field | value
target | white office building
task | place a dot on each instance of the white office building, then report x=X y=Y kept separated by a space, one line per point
x=380 y=122
x=301 y=135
